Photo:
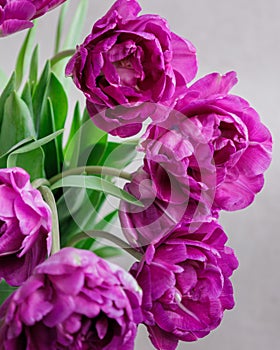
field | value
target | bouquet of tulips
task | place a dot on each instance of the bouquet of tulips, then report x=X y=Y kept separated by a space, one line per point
x=199 y=149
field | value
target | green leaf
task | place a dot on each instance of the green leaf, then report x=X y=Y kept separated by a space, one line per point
x=53 y=117
x=87 y=145
x=33 y=71
x=94 y=153
x=52 y=149
x=87 y=243
x=40 y=94
x=97 y=184
x=27 y=97
x=66 y=206
x=119 y=155
x=32 y=162
x=76 y=27
x=17 y=124
x=5 y=291
x=90 y=133
x=71 y=151
x=37 y=143
x=108 y=252
x=59 y=101
x=102 y=224
x=18 y=145
x=3 y=163
x=59 y=27
x=10 y=87
x=24 y=56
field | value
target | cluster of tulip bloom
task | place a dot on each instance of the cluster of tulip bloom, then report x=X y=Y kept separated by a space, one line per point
x=204 y=150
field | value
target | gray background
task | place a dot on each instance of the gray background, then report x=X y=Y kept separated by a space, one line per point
x=229 y=35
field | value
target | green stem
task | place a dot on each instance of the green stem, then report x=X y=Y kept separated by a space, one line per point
x=106 y=235
x=60 y=56
x=50 y=200
x=91 y=170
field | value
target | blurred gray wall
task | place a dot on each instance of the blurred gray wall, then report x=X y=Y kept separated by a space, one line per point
x=241 y=35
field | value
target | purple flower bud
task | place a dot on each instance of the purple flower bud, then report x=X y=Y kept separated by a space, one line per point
x=128 y=60
x=16 y=15
x=241 y=144
x=186 y=285
x=25 y=226
x=73 y=300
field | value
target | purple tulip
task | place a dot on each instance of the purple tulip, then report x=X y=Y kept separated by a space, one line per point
x=128 y=60
x=159 y=216
x=241 y=144
x=186 y=285
x=74 y=300
x=25 y=226
x=16 y=15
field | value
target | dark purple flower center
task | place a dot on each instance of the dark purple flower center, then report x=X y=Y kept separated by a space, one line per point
x=230 y=141
x=2 y=227
x=100 y=332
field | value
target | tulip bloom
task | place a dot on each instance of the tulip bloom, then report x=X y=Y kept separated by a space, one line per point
x=186 y=285
x=241 y=144
x=128 y=60
x=73 y=300
x=25 y=226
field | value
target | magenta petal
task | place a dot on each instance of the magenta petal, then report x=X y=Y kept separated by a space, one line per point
x=255 y=160
x=102 y=327
x=187 y=279
x=184 y=49
x=162 y=340
x=127 y=9
x=62 y=307
x=238 y=195
x=29 y=220
x=214 y=84
x=161 y=280
x=75 y=280
x=35 y=308
x=7 y=205
x=11 y=26
x=11 y=240
x=87 y=307
x=19 y=10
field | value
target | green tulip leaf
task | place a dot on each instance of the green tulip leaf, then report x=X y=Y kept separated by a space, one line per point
x=37 y=143
x=9 y=88
x=108 y=252
x=97 y=184
x=23 y=59
x=17 y=124
x=33 y=71
x=39 y=96
x=32 y=162
x=5 y=291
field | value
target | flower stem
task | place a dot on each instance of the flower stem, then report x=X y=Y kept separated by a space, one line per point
x=106 y=235
x=50 y=200
x=60 y=56
x=91 y=170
